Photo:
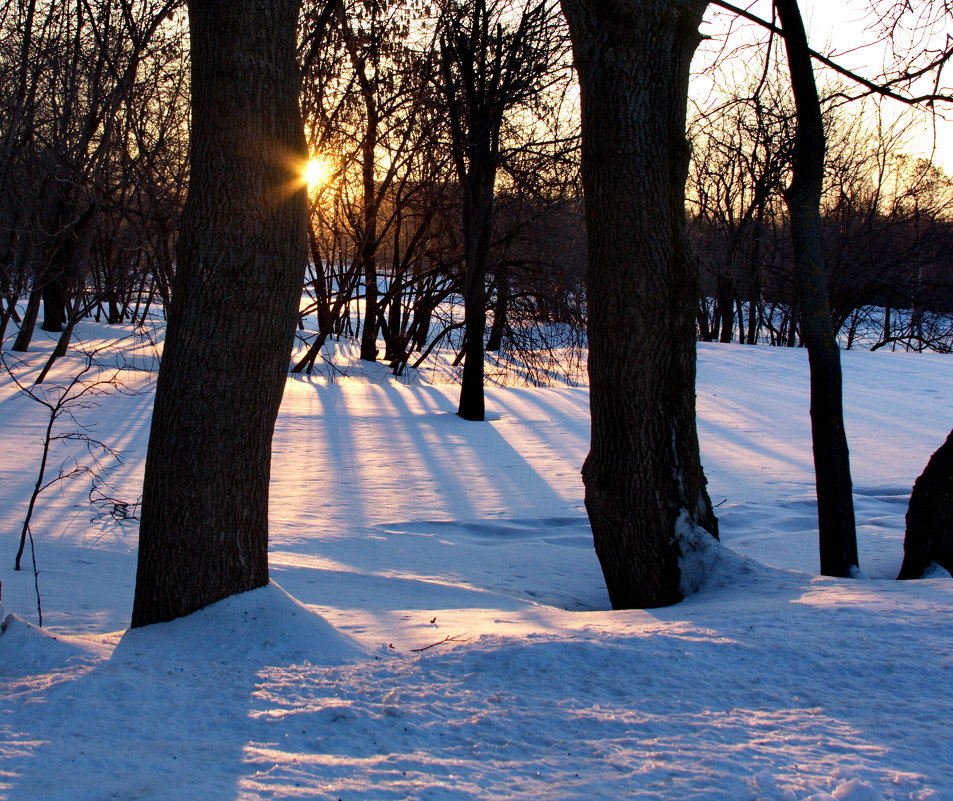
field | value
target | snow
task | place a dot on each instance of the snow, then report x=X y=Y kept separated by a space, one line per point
x=438 y=629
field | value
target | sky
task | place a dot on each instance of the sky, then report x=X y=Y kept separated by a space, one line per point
x=846 y=29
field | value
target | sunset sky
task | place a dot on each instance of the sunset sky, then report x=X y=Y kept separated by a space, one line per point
x=847 y=30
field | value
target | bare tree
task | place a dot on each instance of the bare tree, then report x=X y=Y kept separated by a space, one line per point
x=837 y=532
x=87 y=127
x=835 y=503
x=64 y=400
x=488 y=67
x=741 y=159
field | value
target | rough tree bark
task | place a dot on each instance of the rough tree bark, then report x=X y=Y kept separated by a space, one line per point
x=929 y=536
x=644 y=485
x=835 y=504
x=241 y=259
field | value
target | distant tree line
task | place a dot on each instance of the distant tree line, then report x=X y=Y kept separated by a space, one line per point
x=94 y=167
x=887 y=227
x=93 y=137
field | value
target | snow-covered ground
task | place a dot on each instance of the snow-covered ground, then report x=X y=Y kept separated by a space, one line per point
x=438 y=626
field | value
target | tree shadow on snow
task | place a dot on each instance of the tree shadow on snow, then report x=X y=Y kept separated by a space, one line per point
x=169 y=713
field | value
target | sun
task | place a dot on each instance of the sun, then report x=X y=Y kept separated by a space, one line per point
x=317 y=172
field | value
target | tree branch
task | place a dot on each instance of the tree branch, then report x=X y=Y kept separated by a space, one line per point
x=871 y=86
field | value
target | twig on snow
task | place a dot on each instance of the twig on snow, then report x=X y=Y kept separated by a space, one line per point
x=448 y=638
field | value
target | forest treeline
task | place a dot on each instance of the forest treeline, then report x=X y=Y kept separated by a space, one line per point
x=445 y=186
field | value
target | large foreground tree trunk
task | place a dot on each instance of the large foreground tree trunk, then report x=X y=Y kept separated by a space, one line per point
x=241 y=258
x=645 y=488
x=929 y=535
x=835 y=503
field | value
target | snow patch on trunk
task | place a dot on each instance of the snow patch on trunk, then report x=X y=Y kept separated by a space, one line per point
x=935 y=571
x=703 y=560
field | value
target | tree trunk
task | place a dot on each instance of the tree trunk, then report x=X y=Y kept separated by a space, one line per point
x=55 y=301
x=644 y=485
x=929 y=536
x=726 y=309
x=477 y=226
x=7 y=313
x=369 y=242
x=835 y=504
x=740 y=317
x=320 y=283
x=704 y=324
x=241 y=260
x=25 y=335
x=754 y=317
x=68 y=248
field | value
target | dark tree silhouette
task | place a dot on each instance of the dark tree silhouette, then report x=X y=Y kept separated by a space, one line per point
x=241 y=258
x=929 y=535
x=835 y=503
x=644 y=485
